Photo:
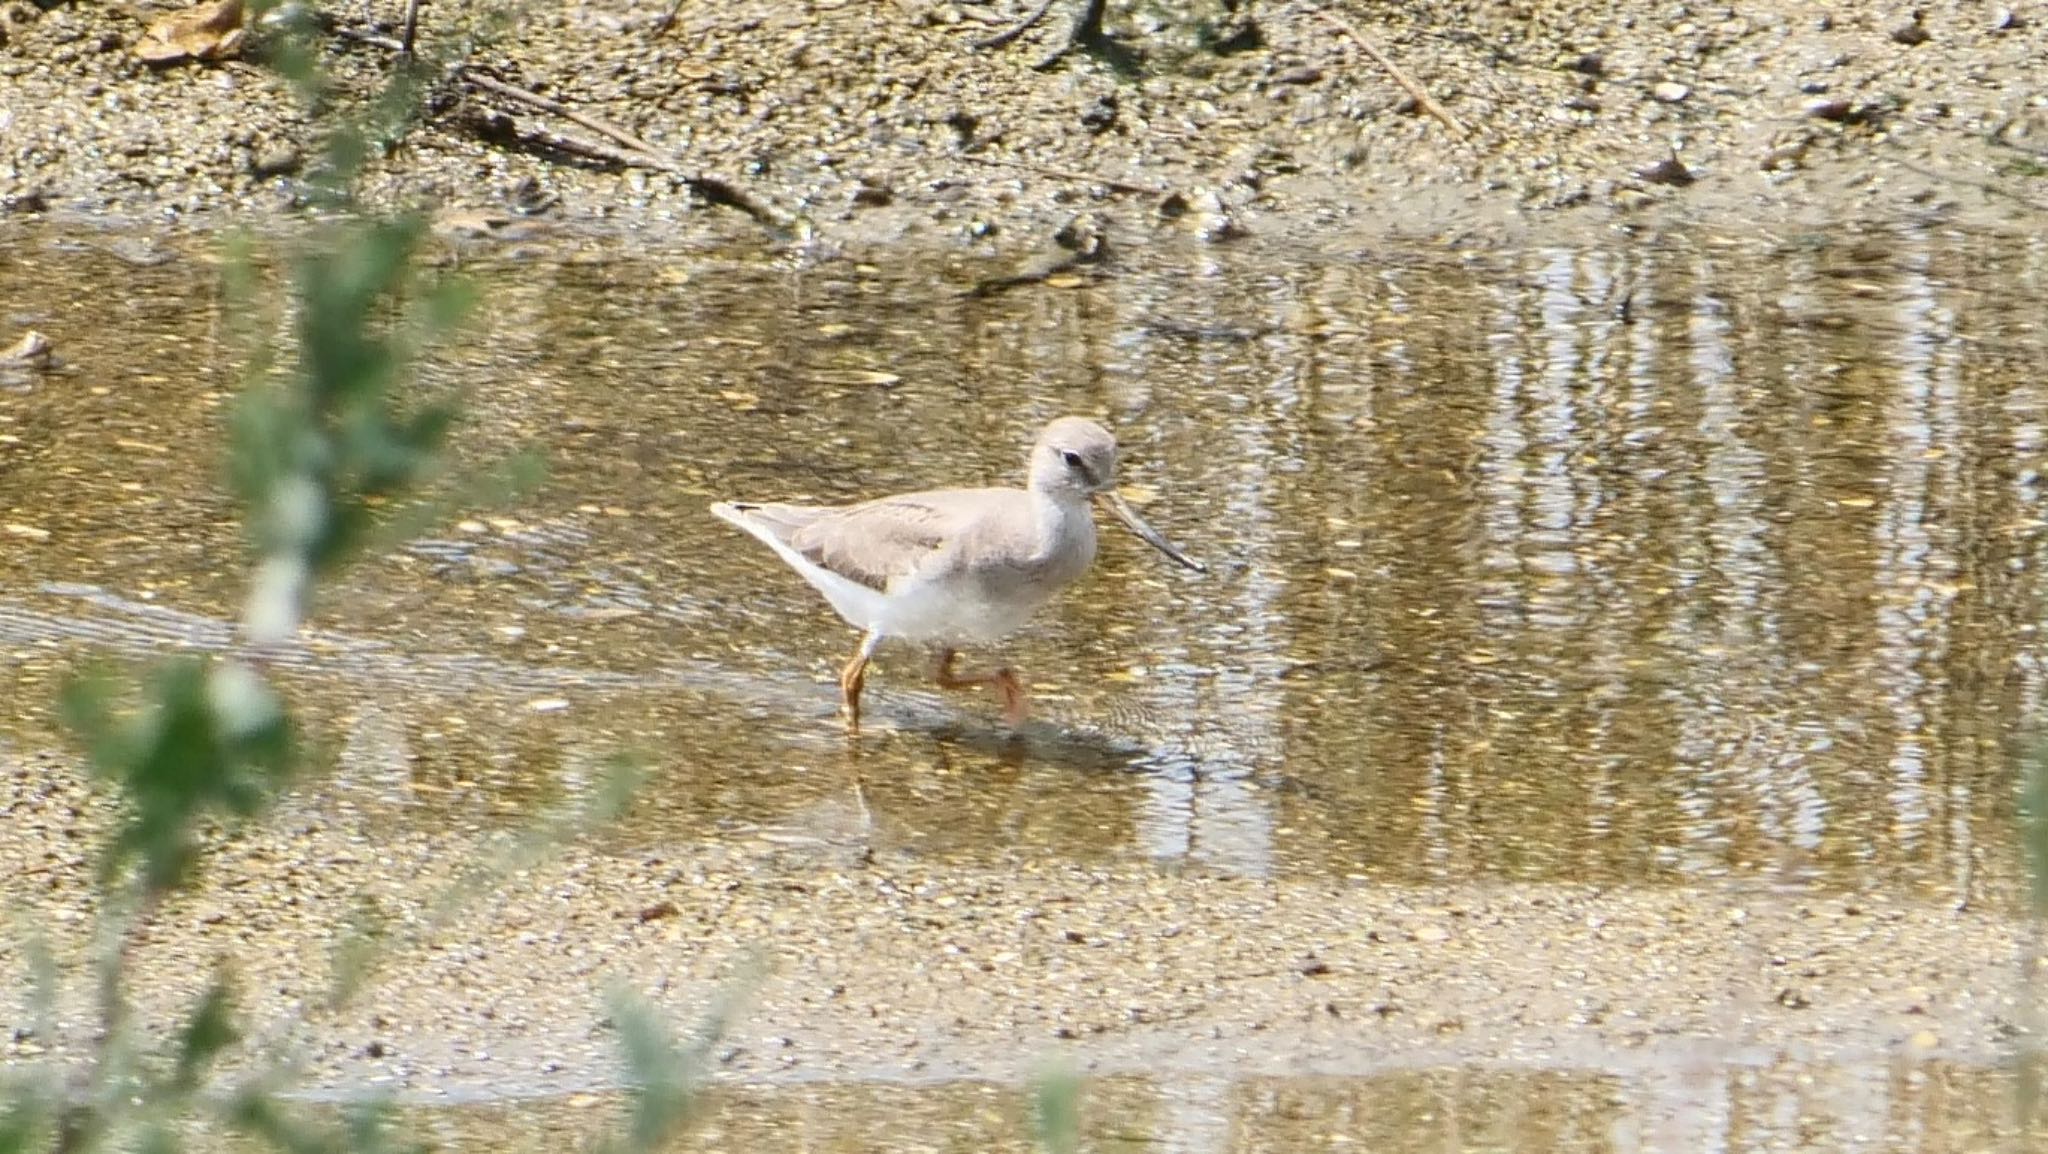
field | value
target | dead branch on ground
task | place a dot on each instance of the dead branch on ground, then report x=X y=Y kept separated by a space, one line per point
x=1017 y=29
x=412 y=26
x=1420 y=95
x=1965 y=182
x=639 y=153
x=633 y=152
x=667 y=19
x=1086 y=35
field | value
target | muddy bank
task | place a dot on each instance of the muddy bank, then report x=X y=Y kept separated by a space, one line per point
x=872 y=964
x=863 y=123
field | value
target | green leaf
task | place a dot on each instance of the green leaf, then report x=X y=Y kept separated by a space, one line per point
x=256 y=1111
x=209 y=1030
x=41 y=995
x=368 y=1130
x=663 y=1084
x=666 y=1077
x=447 y=305
x=355 y=954
x=24 y=1121
x=1056 y=1111
x=210 y=739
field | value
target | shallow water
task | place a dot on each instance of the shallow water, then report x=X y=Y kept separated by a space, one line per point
x=1667 y=561
x=1928 y=1107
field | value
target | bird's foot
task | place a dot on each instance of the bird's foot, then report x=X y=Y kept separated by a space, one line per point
x=1003 y=680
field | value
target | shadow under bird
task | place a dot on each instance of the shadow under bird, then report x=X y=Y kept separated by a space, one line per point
x=955 y=567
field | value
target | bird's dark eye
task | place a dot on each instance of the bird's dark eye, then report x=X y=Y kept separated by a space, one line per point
x=1072 y=458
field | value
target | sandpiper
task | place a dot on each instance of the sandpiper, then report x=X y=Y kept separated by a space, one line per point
x=954 y=567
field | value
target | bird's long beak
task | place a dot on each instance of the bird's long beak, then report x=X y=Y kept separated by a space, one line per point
x=1136 y=524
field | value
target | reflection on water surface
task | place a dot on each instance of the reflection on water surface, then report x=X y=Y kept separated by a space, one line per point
x=1676 y=559
x=1681 y=561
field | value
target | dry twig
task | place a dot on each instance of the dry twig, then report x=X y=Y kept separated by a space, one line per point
x=636 y=153
x=412 y=26
x=1981 y=186
x=520 y=95
x=643 y=154
x=1407 y=82
x=1017 y=29
x=492 y=124
x=667 y=20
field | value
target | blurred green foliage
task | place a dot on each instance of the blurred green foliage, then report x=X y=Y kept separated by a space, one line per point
x=1056 y=1111
x=318 y=451
x=2030 y=1061
x=2034 y=825
x=211 y=737
x=326 y=454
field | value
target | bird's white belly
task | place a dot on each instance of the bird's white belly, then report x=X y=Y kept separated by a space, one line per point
x=955 y=612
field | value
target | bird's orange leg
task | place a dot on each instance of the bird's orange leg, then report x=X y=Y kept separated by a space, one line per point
x=852 y=677
x=1014 y=705
x=1004 y=681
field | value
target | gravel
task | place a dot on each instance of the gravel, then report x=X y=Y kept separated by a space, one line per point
x=871 y=963
x=866 y=124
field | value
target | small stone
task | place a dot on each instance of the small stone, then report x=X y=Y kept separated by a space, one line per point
x=1101 y=114
x=1670 y=92
x=1626 y=198
x=1240 y=34
x=1082 y=235
x=1217 y=222
x=276 y=160
x=1837 y=110
x=1912 y=33
x=529 y=197
x=2006 y=20
x=1670 y=170
x=870 y=193
x=657 y=911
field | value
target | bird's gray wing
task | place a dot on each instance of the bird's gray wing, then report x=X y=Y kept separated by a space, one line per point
x=880 y=541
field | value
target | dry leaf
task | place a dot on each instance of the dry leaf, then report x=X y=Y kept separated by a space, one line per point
x=202 y=32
